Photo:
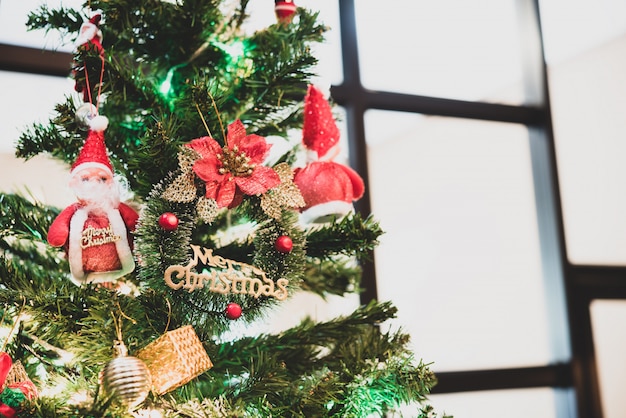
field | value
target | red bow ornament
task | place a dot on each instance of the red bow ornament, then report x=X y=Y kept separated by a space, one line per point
x=236 y=169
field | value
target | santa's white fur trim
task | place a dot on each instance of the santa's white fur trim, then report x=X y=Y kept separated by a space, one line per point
x=75 y=253
x=331 y=153
x=86 y=33
x=99 y=123
x=324 y=212
x=90 y=164
x=123 y=248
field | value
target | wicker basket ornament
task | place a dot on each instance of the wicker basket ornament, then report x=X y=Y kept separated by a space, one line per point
x=174 y=359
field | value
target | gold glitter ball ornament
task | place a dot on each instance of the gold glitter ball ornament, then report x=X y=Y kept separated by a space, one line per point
x=126 y=378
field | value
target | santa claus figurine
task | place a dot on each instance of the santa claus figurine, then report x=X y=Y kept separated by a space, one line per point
x=96 y=230
x=328 y=187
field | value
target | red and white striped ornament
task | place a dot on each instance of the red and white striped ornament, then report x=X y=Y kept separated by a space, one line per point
x=284 y=9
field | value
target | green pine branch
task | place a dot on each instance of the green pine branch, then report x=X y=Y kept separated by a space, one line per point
x=345 y=367
x=351 y=235
x=323 y=369
x=64 y=20
x=21 y=218
x=335 y=276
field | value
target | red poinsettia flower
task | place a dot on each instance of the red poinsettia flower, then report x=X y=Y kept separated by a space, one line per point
x=235 y=169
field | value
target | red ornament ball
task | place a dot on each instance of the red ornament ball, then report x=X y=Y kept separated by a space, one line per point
x=233 y=310
x=168 y=221
x=283 y=244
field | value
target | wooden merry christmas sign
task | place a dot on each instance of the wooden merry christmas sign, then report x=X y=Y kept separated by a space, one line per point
x=222 y=275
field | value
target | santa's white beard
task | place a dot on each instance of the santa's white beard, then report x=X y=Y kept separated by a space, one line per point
x=98 y=196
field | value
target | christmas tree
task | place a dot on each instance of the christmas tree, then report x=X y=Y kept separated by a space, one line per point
x=207 y=193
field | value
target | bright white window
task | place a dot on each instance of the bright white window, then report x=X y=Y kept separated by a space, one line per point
x=460 y=256
x=447 y=48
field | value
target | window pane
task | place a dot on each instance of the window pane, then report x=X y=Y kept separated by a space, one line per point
x=519 y=403
x=13 y=18
x=588 y=94
x=572 y=27
x=329 y=68
x=29 y=99
x=460 y=256
x=448 y=48
x=609 y=338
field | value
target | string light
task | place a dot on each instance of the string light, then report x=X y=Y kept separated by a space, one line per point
x=236 y=54
x=166 y=86
x=235 y=50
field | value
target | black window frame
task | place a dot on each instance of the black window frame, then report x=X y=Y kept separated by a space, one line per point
x=576 y=285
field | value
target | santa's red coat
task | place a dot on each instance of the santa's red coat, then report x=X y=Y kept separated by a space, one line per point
x=108 y=256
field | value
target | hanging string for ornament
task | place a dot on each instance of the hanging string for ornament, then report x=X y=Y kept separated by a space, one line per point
x=217 y=113
x=169 y=317
x=97 y=105
x=203 y=120
x=88 y=38
x=122 y=314
x=169 y=314
x=15 y=323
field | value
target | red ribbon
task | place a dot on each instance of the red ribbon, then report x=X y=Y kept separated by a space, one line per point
x=7 y=411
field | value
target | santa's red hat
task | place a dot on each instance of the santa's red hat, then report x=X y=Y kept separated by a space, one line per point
x=94 y=151
x=319 y=131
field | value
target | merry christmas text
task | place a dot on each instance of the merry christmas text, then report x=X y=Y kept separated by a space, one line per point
x=92 y=237
x=226 y=276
